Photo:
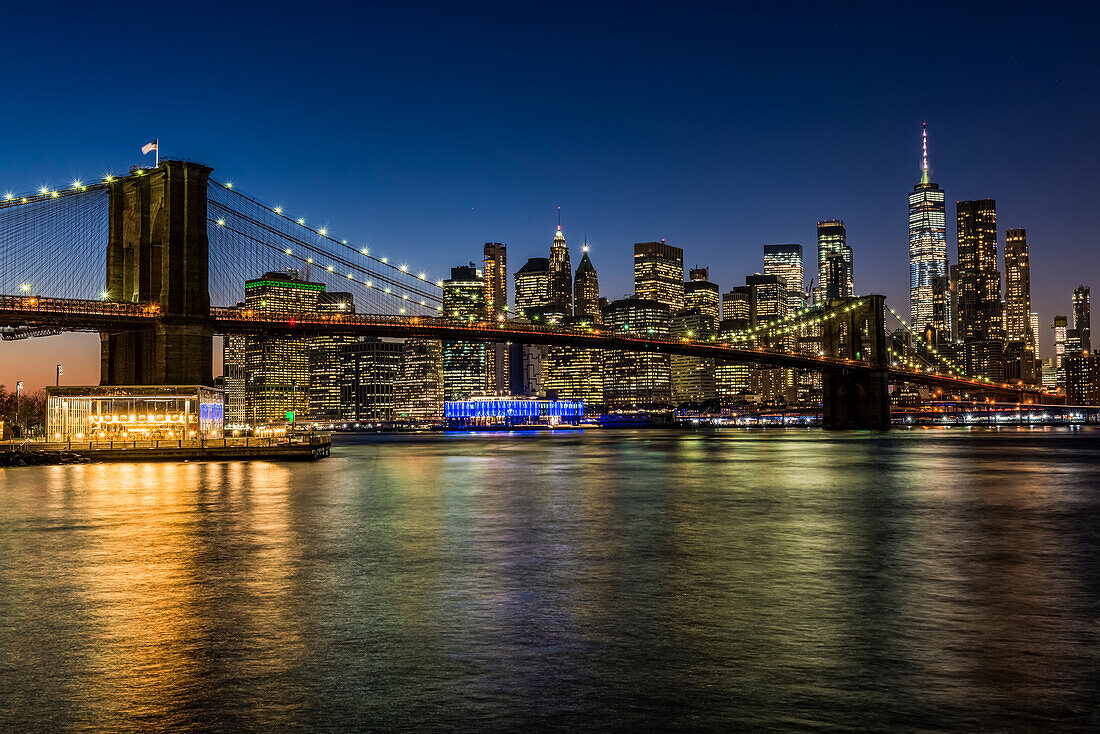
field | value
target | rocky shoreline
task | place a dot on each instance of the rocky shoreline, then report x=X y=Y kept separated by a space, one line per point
x=40 y=458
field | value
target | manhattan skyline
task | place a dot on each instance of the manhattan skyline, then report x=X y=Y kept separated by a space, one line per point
x=684 y=148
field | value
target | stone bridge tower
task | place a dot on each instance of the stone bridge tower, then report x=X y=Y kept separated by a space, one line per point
x=158 y=253
x=856 y=397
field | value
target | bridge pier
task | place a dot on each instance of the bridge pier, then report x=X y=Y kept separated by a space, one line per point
x=158 y=253
x=854 y=398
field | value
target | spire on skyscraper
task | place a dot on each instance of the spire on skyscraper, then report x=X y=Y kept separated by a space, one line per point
x=924 y=153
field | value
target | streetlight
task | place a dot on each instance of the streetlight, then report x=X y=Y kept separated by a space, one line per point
x=18 y=389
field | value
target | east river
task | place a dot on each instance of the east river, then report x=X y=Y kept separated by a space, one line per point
x=611 y=580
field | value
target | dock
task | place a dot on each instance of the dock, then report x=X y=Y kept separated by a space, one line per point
x=308 y=447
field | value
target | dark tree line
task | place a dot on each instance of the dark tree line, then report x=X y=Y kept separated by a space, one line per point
x=31 y=419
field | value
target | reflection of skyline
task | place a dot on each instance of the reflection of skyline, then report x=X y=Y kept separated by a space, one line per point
x=905 y=580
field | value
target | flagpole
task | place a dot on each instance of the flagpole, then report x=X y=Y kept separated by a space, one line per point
x=158 y=153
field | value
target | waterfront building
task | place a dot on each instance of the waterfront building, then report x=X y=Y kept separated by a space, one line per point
x=832 y=239
x=418 y=394
x=494 y=270
x=464 y=372
x=927 y=248
x=659 y=274
x=1083 y=379
x=785 y=261
x=532 y=283
x=512 y=412
x=1020 y=350
x=134 y=412
x=586 y=291
x=637 y=378
x=980 y=316
x=324 y=360
x=1082 y=317
x=369 y=373
x=692 y=378
x=236 y=398
x=561 y=275
x=700 y=293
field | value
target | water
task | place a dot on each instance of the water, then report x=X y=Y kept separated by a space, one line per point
x=631 y=580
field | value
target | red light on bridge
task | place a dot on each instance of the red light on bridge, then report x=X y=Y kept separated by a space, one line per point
x=293 y=322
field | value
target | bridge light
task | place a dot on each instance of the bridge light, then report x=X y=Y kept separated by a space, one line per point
x=105 y=295
x=387 y=290
x=385 y=259
x=365 y=251
x=278 y=210
x=368 y=284
x=77 y=184
x=405 y=296
x=228 y=184
x=323 y=232
x=8 y=196
x=53 y=195
x=221 y=222
x=44 y=190
x=350 y=277
x=422 y=276
x=402 y=310
x=301 y=220
x=404 y=268
x=330 y=268
x=289 y=251
x=439 y=283
x=25 y=287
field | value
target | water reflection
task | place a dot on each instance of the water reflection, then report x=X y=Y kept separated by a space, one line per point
x=926 y=579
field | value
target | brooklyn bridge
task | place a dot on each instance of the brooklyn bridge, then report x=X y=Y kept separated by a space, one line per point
x=152 y=262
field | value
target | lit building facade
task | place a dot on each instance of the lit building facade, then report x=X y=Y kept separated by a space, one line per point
x=324 y=360
x=786 y=262
x=981 y=323
x=269 y=377
x=561 y=275
x=1083 y=379
x=637 y=378
x=464 y=372
x=700 y=293
x=1017 y=287
x=512 y=411
x=532 y=283
x=586 y=291
x=369 y=373
x=659 y=274
x=134 y=412
x=832 y=239
x=1082 y=317
x=494 y=270
x=927 y=248
x=692 y=378
x=418 y=394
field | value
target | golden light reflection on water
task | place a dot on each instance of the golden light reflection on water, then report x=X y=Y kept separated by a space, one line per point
x=741 y=579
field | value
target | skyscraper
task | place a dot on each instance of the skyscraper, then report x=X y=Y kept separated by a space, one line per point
x=270 y=376
x=369 y=372
x=786 y=262
x=532 y=285
x=832 y=239
x=418 y=394
x=659 y=273
x=980 y=320
x=324 y=360
x=1017 y=288
x=464 y=362
x=637 y=378
x=586 y=291
x=561 y=275
x=495 y=273
x=1082 y=317
x=700 y=293
x=692 y=377
x=927 y=246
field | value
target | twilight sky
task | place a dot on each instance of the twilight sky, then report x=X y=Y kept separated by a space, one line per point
x=425 y=130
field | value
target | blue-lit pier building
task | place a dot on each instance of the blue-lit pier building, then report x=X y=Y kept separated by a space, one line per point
x=496 y=411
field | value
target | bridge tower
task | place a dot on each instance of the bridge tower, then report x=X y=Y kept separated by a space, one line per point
x=856 y=397
x=158 y=253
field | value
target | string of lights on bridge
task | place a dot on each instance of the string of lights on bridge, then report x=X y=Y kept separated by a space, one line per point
x=324 y=233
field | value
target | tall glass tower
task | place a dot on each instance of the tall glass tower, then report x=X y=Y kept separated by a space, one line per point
x=927 y=246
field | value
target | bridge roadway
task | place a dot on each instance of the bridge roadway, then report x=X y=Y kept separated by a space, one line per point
x=35 y=314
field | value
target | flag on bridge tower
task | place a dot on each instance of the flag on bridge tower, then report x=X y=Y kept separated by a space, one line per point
x=151 y=147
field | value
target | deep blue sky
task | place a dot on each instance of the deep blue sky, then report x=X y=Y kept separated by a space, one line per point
x=426 y=130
